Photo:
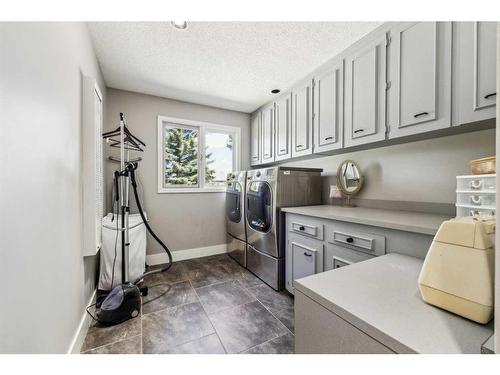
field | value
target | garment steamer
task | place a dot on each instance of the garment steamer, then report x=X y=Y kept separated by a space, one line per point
x=124 y=301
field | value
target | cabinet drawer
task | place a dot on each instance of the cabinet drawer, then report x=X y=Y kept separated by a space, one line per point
x=369 y=243
x=339 y=256
x=306 y=226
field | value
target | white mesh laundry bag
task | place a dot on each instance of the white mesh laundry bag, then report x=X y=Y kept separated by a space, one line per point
x=137 y=250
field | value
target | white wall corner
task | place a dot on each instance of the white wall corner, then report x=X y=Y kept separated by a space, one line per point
x=83 y=327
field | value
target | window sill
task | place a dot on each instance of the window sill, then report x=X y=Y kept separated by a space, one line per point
x=191 y=190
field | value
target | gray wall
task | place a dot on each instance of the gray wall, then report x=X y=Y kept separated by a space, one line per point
x=47 y=281
x=184 y=220
x=422 y=171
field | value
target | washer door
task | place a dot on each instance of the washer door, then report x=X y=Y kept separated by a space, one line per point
x=233 y=202
x=259 y=206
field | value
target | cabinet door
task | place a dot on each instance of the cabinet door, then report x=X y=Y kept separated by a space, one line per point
x=420 y=78
x=304 y=260
x=474 y=53
x=267 y=154
x=283 y=111
x=365 y=81
x=302 y=119
x=255 y=135
x=328 y=109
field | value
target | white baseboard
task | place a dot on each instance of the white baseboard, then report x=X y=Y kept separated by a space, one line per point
x=178 y=255
x=83 y=327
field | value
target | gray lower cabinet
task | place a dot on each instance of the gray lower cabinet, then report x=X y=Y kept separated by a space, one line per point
x=319 y=331
x=365 y=81
x=255 y=139
x=314 y=245
x=283 y=127
x=302 y=119
x=419 y=92
x=328 y=119
x=267 y=130
x=474 y=76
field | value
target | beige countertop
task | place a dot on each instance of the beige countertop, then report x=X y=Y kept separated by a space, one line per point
x=416 y=222
x=381 y=298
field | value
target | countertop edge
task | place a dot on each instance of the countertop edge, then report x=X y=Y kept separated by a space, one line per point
x=365 y=221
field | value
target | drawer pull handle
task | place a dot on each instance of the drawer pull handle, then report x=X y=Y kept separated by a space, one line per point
x=328 y=138
x=349 y=240
x=490 y=95
x=359 y=131
x=476 y=184
x=421 y=114
x=302 y=228
x=308 y=255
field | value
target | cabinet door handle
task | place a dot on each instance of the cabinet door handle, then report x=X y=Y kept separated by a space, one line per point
x=349 y=240
x=421 y=114
x=283 y=150
x=255 y=158
x=300 y=146
x=266 y=154
x=307 y=255
x=359 y=131
x=328 y=138
x=490 y=95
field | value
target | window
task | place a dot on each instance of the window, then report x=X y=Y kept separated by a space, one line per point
x=195 y=156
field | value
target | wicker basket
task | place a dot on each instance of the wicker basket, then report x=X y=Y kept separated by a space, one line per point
x=483 y=166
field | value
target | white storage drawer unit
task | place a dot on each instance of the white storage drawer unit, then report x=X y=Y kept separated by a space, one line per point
x=476 y=194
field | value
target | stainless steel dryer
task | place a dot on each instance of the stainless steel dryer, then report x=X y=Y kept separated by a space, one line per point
x=268 y=190
x=235 y=216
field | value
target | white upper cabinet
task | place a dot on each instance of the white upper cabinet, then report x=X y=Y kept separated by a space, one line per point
x=365 y=80
x=255 y=141
x=328 y=119
x=267 y=142
x=302 y=130
x=283 y=118
x=419 y=92
x=474 y=75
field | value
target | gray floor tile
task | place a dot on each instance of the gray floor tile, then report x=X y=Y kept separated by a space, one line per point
x=286 y=316
x=272 y=299
x=280 y=345
x=221 y=296
x=248 y=279
x=245 y=326
x=165 y=329
x=174 y=274
x=166 y=295
x=127 y=346
x=98 y=335
x=206 y=345
x=208 y=275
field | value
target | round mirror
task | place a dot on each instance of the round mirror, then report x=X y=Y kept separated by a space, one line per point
x=349 y=179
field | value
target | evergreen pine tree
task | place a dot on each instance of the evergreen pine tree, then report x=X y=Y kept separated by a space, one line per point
x=181 y=158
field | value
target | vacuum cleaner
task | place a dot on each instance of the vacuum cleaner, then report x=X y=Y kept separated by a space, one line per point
x=124 y=301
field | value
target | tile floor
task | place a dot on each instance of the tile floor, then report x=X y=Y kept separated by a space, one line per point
x=208 y=306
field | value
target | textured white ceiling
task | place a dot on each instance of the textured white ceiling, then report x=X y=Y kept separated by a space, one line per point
x=232 y=65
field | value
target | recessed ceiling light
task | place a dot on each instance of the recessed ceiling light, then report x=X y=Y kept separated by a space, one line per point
x=275 y=91
x=180 y=24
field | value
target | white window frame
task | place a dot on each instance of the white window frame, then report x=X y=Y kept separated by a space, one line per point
x=203 y=127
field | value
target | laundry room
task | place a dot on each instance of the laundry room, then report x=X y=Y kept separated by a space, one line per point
x=239 y=185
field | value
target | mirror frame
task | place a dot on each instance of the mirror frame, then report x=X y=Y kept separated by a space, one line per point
x=339 y=180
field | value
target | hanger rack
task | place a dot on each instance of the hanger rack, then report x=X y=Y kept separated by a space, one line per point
x=126 y=142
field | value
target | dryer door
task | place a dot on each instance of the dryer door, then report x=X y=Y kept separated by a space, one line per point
x=259 y=206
